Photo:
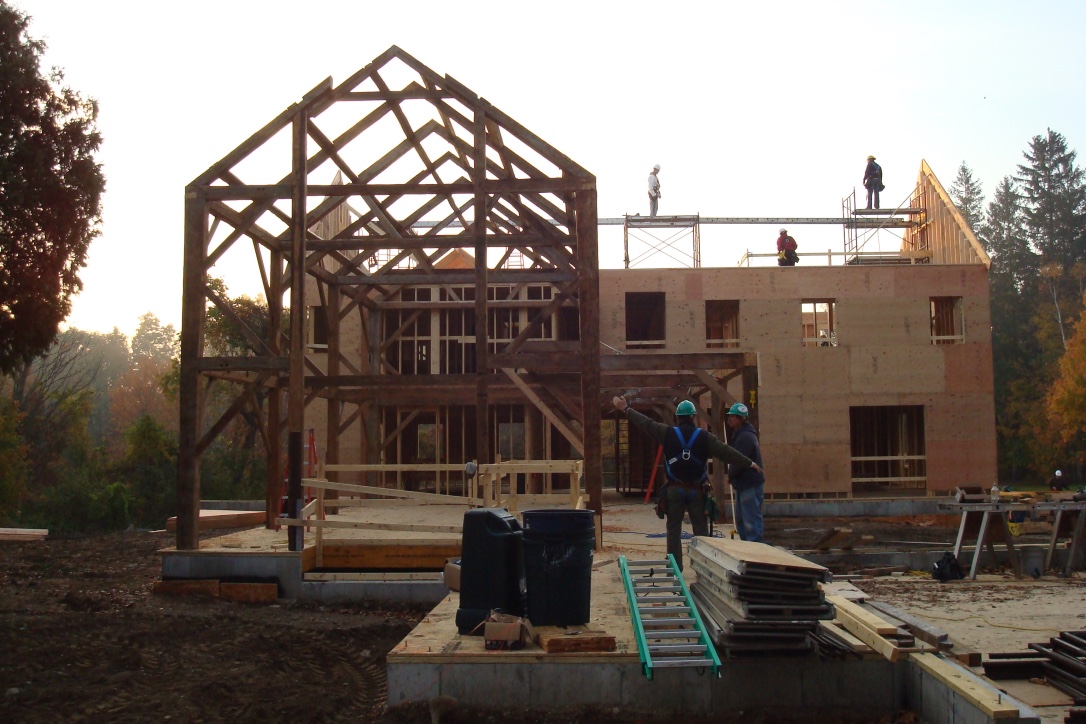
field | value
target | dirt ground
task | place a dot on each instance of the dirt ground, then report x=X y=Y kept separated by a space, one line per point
x=83 y=639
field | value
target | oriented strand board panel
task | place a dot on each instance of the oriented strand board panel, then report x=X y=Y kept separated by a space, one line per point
x=952 y=463
x=807 y=468
x=781 y=420
x=781 y=372
x=825 y=418
x=846 y=282
x=969 y=367
x=977 y=319
x=770 y=324
x=904 y=370
x=685 y=328
x=937 y=280
x=960 y=417
x=884 y=321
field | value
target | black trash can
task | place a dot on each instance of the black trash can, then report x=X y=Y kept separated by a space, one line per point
x=491 y=567
x=558 y=550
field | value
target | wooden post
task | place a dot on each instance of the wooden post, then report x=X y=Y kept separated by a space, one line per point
x=482 y=358
x=296 y=395
x=192 y=335
x=333 y=403
x=589 y=305
x=274 y=473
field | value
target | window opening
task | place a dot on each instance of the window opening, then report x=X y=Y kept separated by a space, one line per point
x=721 y=323
x=819 y=322
x=947 y=323
x=888 y=453
x=645 y=320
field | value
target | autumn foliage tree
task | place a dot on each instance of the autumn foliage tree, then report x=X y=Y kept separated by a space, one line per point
x=50 y=193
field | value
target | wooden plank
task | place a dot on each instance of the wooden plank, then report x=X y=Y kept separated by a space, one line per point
x=743 y=553
x=23 y=533
x=395 y=576
x=263 y=593
x=988 y=700
x=221 y=519
x=862 y=616
x=834 y=630
x=923 y=630
x=831 y=538
x=389 y=492
x=416 y=467
x=362 y=525
x=186 y=587
x=884 y=648
x=395 y=556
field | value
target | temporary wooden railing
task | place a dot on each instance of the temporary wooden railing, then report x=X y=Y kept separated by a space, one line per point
x=486 y=488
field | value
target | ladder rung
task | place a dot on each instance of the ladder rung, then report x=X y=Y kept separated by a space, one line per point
x=663 y=610
x=677 y=648
x=661 y=599
x=664 y=564
x=669 y=634
x=680 y=663
x=658 y=589
x=667 y=622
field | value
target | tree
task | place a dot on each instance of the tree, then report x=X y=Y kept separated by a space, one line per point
x=1066 y=401
x=13 y=466
x=139 y=393
x=50 y=193
x=155 y=341
x=1005 y=238
x=1055 y=200
x=969 y=198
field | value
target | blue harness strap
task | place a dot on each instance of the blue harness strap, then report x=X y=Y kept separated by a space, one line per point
x=687 y=457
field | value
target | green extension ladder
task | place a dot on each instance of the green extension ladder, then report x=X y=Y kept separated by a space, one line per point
x=669 y=629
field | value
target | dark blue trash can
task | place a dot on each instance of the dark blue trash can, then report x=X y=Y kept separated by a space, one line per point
x=491 y=567
x=558 y=550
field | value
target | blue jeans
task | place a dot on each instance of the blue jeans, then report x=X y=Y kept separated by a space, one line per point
x=873 y=191
x=748 y=513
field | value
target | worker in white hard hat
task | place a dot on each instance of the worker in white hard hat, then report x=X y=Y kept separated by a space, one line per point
x=654 y=190
x=1058 y=482
x=786 y=250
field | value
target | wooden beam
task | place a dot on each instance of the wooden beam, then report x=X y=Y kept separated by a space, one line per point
x=559 y=424
x=192 y=328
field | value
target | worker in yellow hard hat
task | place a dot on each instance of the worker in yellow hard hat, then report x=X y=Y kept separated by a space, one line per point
x=873 y=181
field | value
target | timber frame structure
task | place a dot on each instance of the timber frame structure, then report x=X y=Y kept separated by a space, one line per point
x=344 y=232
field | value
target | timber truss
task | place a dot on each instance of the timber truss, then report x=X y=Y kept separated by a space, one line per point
x=351 y=196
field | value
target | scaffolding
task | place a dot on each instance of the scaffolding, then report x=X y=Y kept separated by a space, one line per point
x=665 y=235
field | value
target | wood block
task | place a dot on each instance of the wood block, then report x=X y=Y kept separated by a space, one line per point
x=987 y=700
x=249 y=592
x=396 y=556
x=219 y=519
x=555 y=640
x=186 y=587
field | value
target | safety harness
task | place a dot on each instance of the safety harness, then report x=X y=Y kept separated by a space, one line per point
x=685 y=465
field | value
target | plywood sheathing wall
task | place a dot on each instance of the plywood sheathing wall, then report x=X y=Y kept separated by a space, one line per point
x=884 y=357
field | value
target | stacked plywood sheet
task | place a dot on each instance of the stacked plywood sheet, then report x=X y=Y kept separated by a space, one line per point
x=757 y=599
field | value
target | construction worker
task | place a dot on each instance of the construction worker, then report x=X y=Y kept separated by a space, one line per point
x=786 y=249
x=654 y=190
x=873 y=181
x=687 y=449
x=1057 y=482
x=747 y=482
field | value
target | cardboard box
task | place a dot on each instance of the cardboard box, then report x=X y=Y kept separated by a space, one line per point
x=451 y=574
x=504 y=631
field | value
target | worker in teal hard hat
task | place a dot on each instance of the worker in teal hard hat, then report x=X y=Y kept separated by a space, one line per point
x=687 y=449
x=747 y=482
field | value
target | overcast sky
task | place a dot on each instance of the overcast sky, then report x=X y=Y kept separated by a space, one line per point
x=751 y=109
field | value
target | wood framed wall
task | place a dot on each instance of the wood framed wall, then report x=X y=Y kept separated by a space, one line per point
x=349 y=195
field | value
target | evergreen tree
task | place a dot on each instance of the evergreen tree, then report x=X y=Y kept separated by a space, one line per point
x=1055 y=196
x=50 y=193
x=1005 y=239
x=969 y=198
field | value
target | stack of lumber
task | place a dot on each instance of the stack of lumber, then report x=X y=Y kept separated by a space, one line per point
x=888 y=635
x=1061 y=662
x=757 y=599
